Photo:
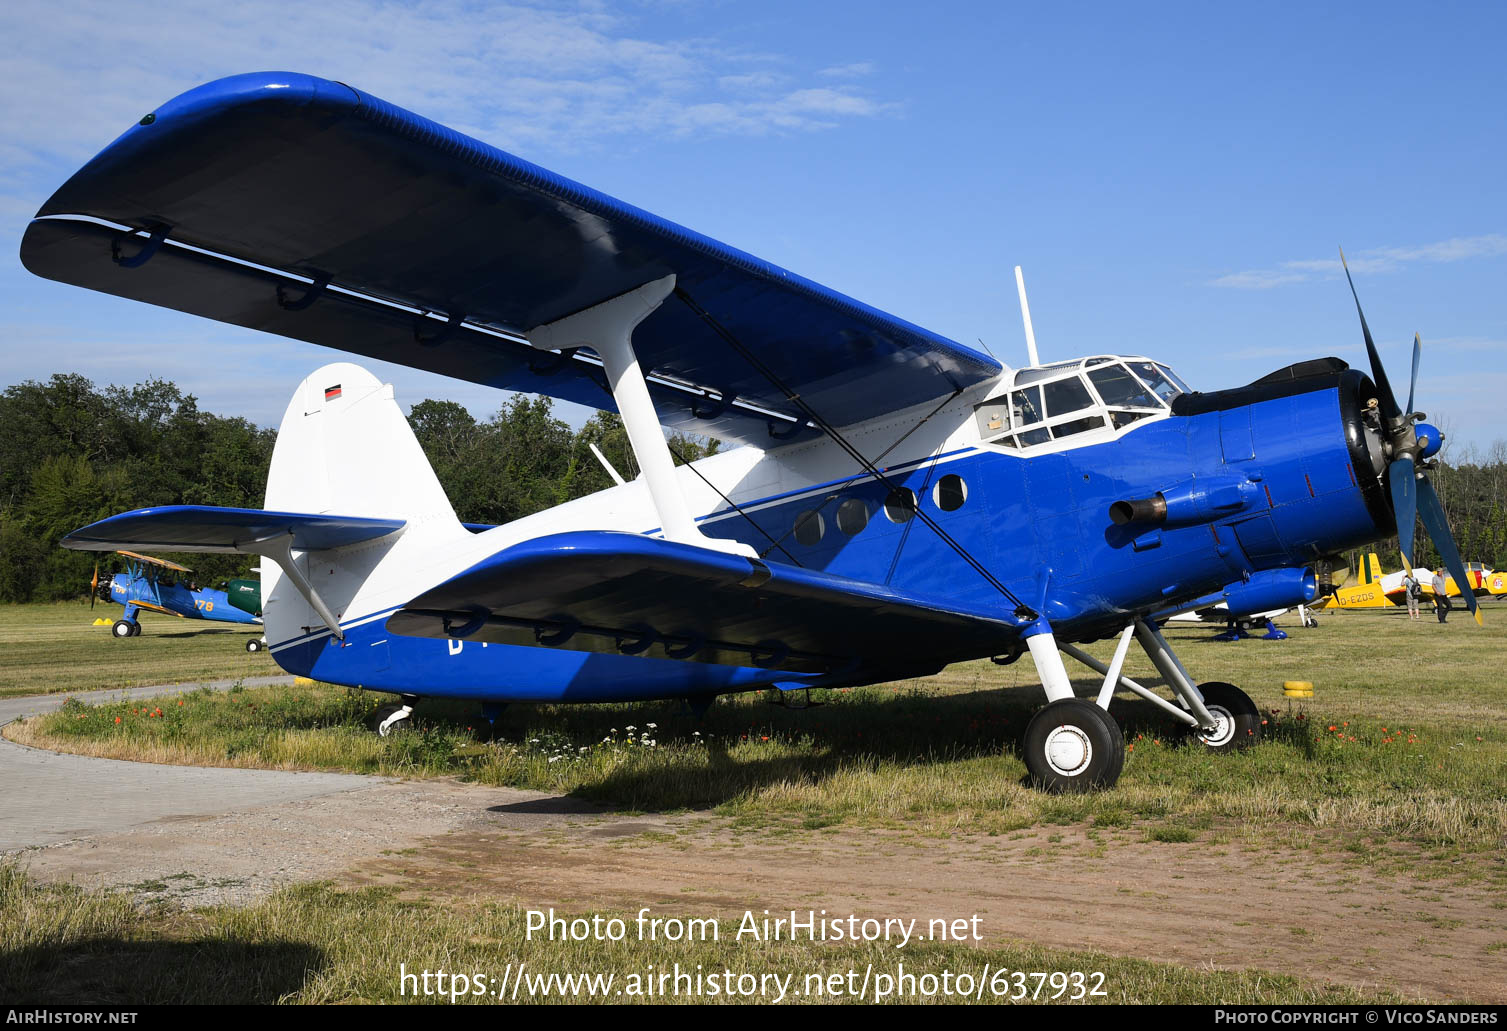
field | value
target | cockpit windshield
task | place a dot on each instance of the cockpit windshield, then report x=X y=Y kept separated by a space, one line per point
x=1053 y=402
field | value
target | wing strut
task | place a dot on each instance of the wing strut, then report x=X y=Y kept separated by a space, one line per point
x=279 y=548
x=607 y=328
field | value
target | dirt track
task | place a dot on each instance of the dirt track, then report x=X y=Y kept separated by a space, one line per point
x=1219 y=906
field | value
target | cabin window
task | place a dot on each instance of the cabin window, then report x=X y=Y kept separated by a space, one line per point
x=900 y=506
x=1067 y=429
x=1156 y=380
x=1026 y=406
x=810 y=528
x=852 y=516
x=950 y=493
x=1066 y=395
x=1119 y=388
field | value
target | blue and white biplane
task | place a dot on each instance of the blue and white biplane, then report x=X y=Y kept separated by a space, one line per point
x=157 y=585
x=899 y=501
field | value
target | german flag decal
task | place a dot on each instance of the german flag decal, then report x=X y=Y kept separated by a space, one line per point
x=330 y=393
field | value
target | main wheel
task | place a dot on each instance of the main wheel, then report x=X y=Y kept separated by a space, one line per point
x=254 y=644
x=121 y=628
x=1239 y=721
x=1073 y=745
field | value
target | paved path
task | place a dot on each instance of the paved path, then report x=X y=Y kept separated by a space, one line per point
x=48 y=797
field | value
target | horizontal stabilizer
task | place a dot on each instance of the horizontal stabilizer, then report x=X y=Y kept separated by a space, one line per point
x=205 y=528
x=622 y=593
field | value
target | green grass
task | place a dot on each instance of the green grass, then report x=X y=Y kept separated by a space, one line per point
x=1414 y=773
x=316 y=944
x=46 y=649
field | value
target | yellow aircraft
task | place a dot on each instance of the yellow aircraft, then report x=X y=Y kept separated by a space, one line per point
x=1378 y=590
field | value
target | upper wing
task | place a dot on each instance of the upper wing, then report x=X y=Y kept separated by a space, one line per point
x=605 y=591
x=164 y=563
x=205 y=528
x=429 y=248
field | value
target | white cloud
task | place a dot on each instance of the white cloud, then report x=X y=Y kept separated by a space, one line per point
x=515 y=74
x=858 y=70
x=1385 y=259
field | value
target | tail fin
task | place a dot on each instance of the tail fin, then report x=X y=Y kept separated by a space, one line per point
x=1370 y=569
x=344 y=447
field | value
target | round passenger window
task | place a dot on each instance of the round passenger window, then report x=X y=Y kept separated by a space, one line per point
x=950 y=493
x=809 y=528
x=852 y=516
x=900 y=505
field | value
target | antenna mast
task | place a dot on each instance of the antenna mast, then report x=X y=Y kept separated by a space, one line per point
x=1025 y=315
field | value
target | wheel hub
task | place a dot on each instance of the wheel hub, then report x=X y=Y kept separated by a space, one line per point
x=1223 y=730
x=1068 y=750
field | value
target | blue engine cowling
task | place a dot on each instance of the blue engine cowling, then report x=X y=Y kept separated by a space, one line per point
x=1272 y=589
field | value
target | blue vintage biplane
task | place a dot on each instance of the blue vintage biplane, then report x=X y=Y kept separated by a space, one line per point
x=157 y=585
x=899 y=501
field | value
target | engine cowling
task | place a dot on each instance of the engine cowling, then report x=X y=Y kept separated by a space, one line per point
x=1272 y=589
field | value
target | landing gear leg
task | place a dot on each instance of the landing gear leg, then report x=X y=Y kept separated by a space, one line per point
x=1220 y=715
x=1073 y=744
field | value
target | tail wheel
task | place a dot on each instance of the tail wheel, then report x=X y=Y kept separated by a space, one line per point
x=1072 y=745
x=1238 y=720
x=390 y=719
x=122 y=628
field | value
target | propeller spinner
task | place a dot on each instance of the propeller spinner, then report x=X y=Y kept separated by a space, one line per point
x=1409 y=443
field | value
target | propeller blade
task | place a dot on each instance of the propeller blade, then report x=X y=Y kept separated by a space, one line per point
x=94 y=586
x=1413 y=383
x=1432 y=514
x=1383 y=387
x=1403 y=484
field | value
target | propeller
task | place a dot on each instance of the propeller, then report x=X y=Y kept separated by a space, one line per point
x=94 y=587
x=1410 y=443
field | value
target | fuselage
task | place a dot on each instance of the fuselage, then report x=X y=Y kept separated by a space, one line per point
x=1032 y=505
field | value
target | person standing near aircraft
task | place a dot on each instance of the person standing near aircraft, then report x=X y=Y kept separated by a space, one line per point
x=1411 y=590
x=1441 y=596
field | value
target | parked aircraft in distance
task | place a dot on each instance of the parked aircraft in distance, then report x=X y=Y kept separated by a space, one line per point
x=154 y=584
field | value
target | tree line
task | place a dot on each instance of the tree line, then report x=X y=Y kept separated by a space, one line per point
x=72 y=453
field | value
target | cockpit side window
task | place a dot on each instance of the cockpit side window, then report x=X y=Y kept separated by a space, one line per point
x=1066 y=395
x=1025 y=406
x=1154 y=378
x=1176 y=379
x=1119 y=388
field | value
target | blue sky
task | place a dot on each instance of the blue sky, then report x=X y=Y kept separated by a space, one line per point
x=1175 y=178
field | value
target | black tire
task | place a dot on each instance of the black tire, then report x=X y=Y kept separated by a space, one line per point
x=254 y=645
x=1240 y=720
x=122 y=628
x=135 y=629
x=380 y=717
x=1072 y=745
